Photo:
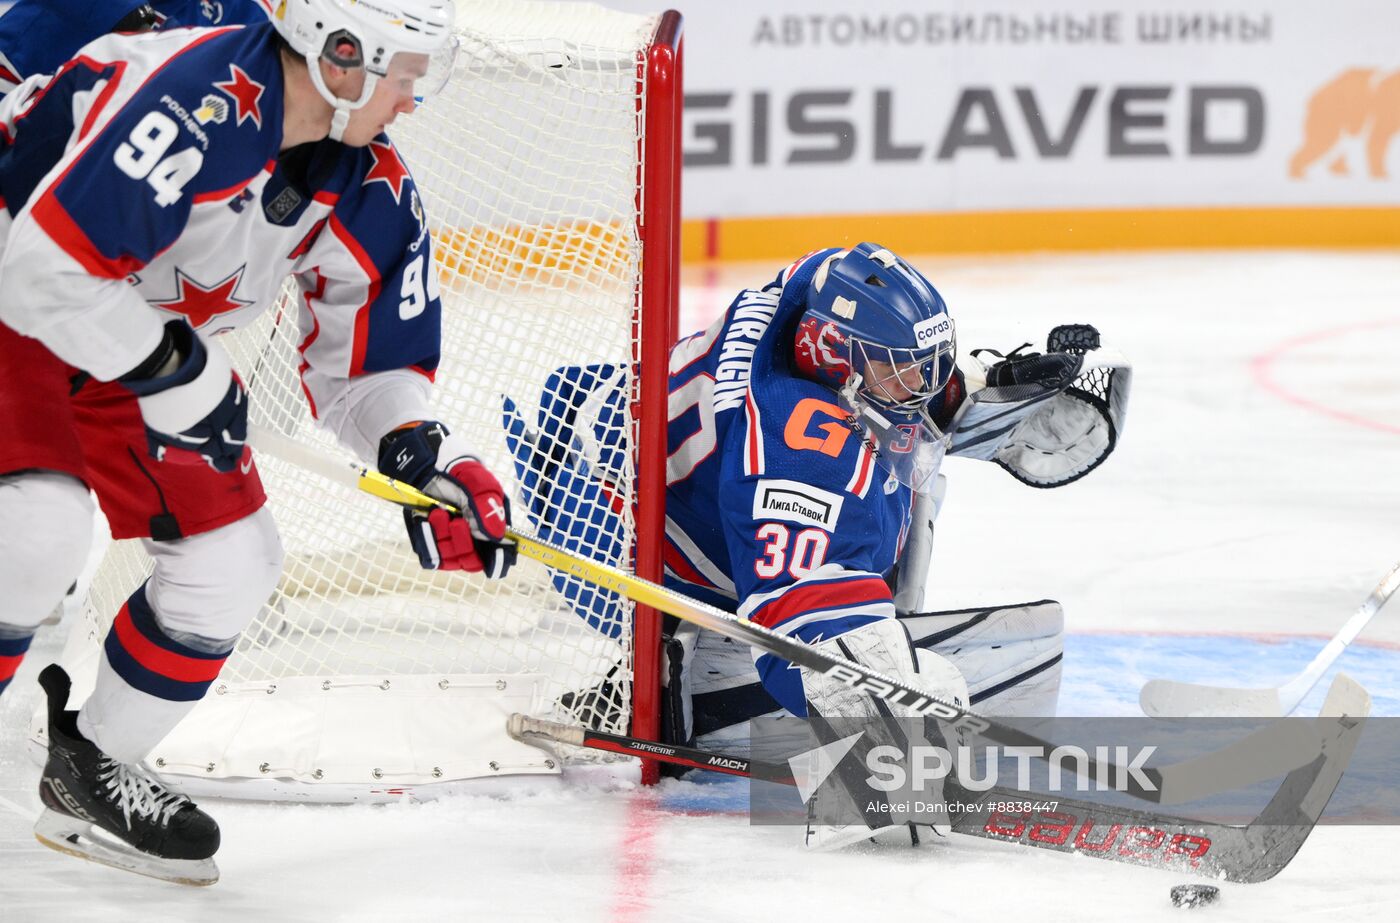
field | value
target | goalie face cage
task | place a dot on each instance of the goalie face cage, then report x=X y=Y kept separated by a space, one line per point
x=550 y=172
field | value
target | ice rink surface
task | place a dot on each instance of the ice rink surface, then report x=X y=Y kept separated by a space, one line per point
x=1251 y=506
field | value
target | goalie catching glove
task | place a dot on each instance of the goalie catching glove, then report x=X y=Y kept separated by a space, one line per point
x=430 y=458
x=1047 y=418
x=191 y=399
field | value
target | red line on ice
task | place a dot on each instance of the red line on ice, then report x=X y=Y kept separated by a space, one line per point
x=632 y=896
x=1261 y=366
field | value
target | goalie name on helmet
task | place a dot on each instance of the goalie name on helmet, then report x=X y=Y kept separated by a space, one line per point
x=408 y=41
x=879 y=334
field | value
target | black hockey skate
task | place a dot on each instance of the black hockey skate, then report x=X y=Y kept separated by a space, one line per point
x=109 y=812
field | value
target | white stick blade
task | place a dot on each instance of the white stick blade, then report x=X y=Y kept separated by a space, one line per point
x=1346 y=697
x=1163 y=698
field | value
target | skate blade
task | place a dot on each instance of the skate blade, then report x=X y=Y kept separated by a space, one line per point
x=77 y=838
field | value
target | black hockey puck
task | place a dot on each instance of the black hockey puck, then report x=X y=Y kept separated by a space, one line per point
x=1194 y=895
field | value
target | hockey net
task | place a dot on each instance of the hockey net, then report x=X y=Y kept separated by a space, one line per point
x=548 y=170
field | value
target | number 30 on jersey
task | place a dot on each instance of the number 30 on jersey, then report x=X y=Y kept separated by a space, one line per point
x=797 y=555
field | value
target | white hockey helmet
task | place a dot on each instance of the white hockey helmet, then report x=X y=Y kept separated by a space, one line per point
x=382 y=36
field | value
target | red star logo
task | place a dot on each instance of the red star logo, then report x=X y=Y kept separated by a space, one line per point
x=202 y=303
x=245 y=92
x=387 y=168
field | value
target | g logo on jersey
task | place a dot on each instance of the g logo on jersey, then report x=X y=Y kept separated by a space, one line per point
x=796 y=433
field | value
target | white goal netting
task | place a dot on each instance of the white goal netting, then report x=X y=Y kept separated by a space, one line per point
x=364 y=669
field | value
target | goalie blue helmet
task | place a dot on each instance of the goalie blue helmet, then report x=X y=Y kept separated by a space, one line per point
x=878 y=333
x=874 y=324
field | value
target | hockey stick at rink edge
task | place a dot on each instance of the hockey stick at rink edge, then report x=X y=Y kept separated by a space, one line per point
x=1246 y=854
x=1263 y=754
x=1164 y=698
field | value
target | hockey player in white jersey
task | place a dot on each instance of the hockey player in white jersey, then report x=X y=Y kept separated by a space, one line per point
x=157 y=191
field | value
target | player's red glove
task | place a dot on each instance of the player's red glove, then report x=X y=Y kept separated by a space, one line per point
x=427 y=456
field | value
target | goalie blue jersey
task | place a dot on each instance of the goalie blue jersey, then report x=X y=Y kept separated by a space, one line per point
x=775 y=508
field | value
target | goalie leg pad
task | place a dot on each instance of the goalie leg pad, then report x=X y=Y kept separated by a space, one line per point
x=1009 y=655
x=912 y=570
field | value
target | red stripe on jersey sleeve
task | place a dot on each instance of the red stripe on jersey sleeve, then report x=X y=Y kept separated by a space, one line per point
x=105 y=96
x=311 y=295
x=50 y=215
x=120 y=67
x=819 y=597
x=92 y=64
x=861 y=478
x=361 y=342
x=218 y=195
x=753 y=437
x=682 y=568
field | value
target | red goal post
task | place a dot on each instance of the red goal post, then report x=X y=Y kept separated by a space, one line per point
x=659 y=205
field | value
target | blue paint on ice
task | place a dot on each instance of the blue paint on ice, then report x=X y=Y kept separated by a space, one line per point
x=1103 y=672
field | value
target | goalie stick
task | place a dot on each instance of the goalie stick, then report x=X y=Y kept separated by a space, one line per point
x=1163 y=698
x=1245 y=854
x=1264 y=754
